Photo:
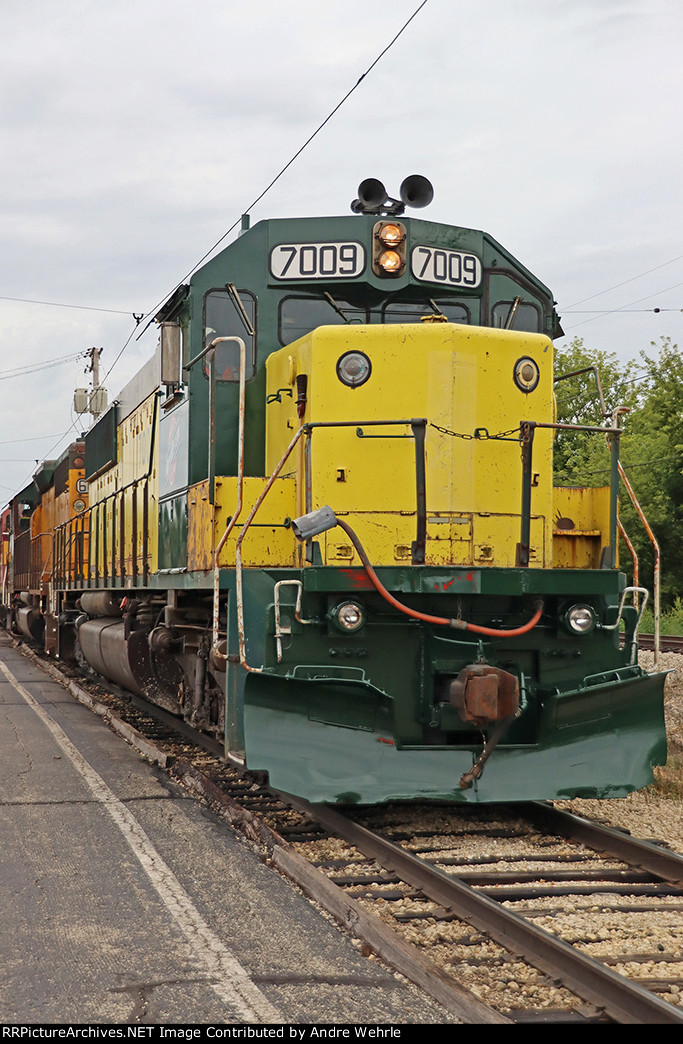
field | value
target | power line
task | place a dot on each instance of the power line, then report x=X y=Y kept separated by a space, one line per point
x=34 y=438
x=21 y=371
x=608 y=311
x=60 y=304
x=626 y=307
x=277 y=177
x=148 y=315
x=629 y=467
x=631 y=280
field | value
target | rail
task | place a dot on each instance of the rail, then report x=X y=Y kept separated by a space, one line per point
x=622 y=999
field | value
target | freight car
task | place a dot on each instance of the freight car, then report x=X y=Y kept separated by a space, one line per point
x=321 y=523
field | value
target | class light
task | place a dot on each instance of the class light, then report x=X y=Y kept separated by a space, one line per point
x=353 y=369
x=526 y=374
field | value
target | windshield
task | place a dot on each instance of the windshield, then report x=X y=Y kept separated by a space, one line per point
x=300 y=315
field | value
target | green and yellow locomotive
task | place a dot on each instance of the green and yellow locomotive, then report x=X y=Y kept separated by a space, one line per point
x=321 y=523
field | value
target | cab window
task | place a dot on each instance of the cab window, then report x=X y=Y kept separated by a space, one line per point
x=413 y=311
x=526 y=317
x=300 y=315
x=223 y=317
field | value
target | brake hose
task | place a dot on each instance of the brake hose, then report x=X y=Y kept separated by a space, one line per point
x=443 y=621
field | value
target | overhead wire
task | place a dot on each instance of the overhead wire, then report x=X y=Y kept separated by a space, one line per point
x=32 y=438
x=280 y=173
x=624 y=308
x=633 y=279
x=21 y=371
x=608 y=311
x=639 y=464
x=60 y=304
x=139 y=320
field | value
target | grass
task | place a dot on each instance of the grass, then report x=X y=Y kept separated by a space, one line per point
x=670 y=622
x=668 y=779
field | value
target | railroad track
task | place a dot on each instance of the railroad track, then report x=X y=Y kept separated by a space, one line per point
x=502 y=914
x=523 y=909
x=667 y=642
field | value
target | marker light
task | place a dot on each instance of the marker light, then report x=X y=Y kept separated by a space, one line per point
x=526 y=374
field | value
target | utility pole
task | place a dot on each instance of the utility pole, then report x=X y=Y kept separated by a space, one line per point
x=94 y=400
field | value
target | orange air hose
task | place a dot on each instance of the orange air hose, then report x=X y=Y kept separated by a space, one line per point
x=444 y=621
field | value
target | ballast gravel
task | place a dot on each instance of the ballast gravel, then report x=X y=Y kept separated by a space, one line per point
x=602 y=929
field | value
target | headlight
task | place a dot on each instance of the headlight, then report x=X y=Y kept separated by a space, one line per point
x=348 y=617
x=79 y=505
x=353 y=369
x=391 y=235
x=390 y=261
x=580 y=619
x=389 y=248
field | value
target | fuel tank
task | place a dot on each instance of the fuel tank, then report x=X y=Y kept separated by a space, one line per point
x=31 y=623
x=125 y=659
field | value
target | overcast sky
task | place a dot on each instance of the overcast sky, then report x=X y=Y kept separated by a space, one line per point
x=134 y=134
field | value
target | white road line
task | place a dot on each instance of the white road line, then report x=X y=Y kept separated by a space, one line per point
x=231 y=980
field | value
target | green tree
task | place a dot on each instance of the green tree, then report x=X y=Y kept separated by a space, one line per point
x=651 y=390
x=652 y=455
x=600 y=384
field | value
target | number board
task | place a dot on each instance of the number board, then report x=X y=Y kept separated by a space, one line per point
x=317 y=260
x=449 y=267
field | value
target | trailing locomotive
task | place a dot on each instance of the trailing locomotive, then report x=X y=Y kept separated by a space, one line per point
x=321 y=523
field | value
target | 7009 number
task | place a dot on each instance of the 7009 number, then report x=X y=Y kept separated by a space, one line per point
x=317 y=260
x=445 y=266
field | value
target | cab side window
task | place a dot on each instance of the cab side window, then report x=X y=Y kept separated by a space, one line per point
x=224 y=316
x=516 y=315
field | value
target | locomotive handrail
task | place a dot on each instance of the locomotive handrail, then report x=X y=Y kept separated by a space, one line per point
x=219 y=657
x=528 y=429
x=616 y=472
x=117 y=496
x=657 y=562
x=635 y=591
x=419 y=428
x=238 y=552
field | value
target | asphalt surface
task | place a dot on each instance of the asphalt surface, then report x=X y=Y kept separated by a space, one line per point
x=123 y=900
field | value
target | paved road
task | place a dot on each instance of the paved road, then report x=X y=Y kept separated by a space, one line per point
x=124 y=900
